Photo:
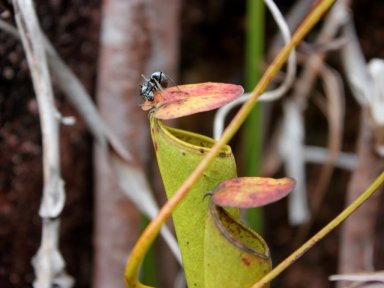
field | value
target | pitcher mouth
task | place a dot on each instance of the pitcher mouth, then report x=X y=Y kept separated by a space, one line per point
x=194 y=142
x=257 y=248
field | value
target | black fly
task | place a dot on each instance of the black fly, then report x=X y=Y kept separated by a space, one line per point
x=157 y=82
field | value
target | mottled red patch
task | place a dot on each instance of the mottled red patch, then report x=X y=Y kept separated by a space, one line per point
x=246 y=261
x=155 y=145
x=246 y=192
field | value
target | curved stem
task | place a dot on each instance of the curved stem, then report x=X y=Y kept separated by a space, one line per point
x=153 y=228
x=321 y=234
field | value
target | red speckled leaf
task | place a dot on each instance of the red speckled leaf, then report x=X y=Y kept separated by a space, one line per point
x=185 y=100
x=246 y=192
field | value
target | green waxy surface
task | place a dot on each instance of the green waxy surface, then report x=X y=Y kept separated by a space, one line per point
x=178 y=153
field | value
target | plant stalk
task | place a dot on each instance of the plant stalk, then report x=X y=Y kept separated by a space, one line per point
x=253 y=126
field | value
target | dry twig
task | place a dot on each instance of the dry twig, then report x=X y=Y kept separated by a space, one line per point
x=48 y=262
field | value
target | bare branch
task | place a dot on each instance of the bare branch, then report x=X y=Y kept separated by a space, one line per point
x=291 y=149
x=358 y=232
x=359 y=277
x=334 y=92
x=48 y=263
